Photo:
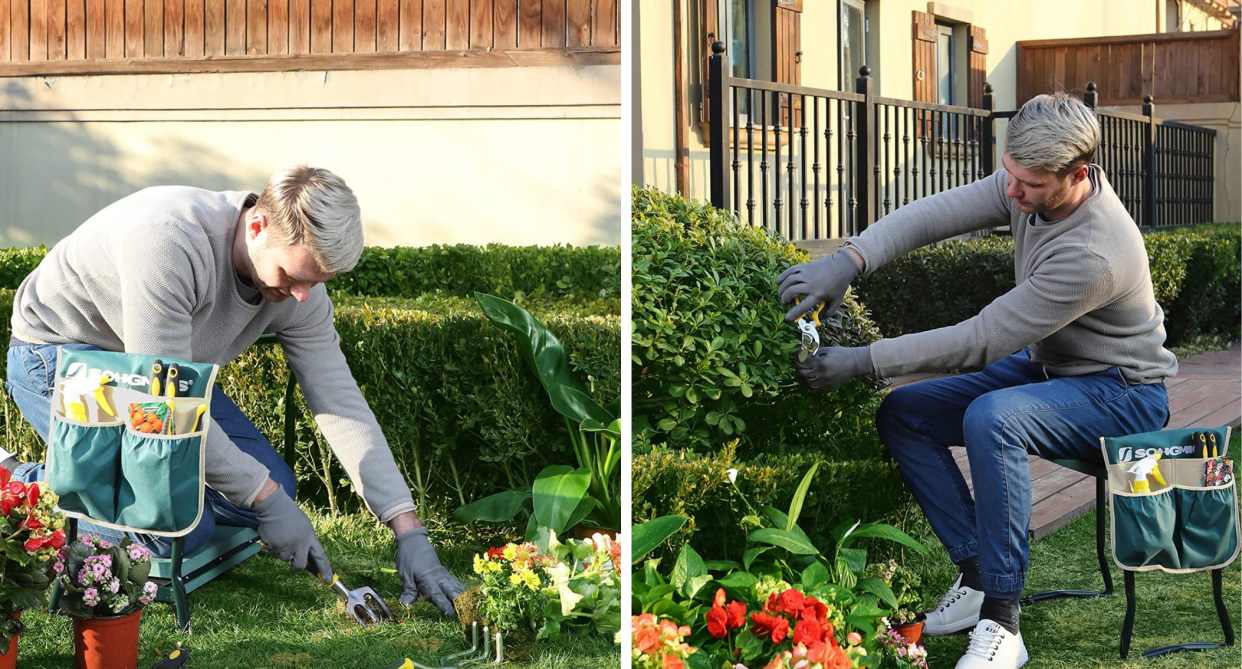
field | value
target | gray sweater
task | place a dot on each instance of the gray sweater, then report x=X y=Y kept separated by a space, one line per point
x=1083 y=302
x=153 y=273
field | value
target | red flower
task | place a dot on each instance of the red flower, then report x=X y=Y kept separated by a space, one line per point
x=775 y=628
x=8 y=503
x=836 y=658
x=5 y=476
x=36 y=543
x=737 y=614
x=854 y=638
x=820 y=609
x=816 y=651
x=58 y=539
x=32 y=524
x=15 y=488
x=718 y=621
x=772 y=606
x=32 y=493
x=647 y=639
x=807 y=632
x=791 y=602
x=495 y=553
x=673 y=662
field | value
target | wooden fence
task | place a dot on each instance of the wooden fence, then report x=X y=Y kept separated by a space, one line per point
x=1171 y=67
x=36 y=33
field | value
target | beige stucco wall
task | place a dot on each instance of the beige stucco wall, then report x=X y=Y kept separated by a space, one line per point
x=517 y=155
x=891 y=21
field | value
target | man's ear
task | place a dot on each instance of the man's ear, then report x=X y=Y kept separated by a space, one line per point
x=1083 y=172
x=256 y=224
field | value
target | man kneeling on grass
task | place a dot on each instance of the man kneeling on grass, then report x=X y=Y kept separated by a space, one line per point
x=1073 y=353
x=198 y=275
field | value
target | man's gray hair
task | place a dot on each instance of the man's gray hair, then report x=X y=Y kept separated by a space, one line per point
x=1054 y=132
x=314 y=209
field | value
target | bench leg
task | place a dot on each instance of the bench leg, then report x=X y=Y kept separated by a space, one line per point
x=1100 y=554
x=1221 y=610
x=1127 y=625
x=177 y=583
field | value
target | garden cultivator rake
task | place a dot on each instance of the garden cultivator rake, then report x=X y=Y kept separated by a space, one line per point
x=475 y=656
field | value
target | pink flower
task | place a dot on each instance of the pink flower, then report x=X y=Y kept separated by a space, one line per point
x=59 y=567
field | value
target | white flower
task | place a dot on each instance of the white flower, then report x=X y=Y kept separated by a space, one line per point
x=732 y=479
x=569 y=598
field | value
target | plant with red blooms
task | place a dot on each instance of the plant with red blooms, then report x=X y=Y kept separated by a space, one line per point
x=33 y=533
x=658 y=643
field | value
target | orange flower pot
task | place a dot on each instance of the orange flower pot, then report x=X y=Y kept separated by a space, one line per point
x=9 y=659
x=911 y=632
x=107 y=643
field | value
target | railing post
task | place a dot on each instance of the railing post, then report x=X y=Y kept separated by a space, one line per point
x=718 y=113
x=864 y=167
x=1091 y=98
x=988 y=139
x=1148 y=207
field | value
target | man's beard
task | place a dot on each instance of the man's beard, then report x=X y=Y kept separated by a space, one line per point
x=1055 y=200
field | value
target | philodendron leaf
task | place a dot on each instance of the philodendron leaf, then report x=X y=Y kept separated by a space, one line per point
x=645 y=537
x=496 y=508
x=557 y=492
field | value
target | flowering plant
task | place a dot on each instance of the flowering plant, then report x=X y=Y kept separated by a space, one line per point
x=904 y=583
x=895 y=651
x=33 y=532
x=659 y=643
x=584 y=585
x=101 y=579
x=791 y=631
x=512 y=590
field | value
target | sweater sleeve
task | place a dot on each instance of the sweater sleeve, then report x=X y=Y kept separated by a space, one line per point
x=975 y=206
x=159 y=298
x=313 y=348
x=1062 y=288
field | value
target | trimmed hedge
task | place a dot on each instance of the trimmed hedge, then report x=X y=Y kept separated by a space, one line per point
x=1196 y=275
x=589 y=272
x=462 y=413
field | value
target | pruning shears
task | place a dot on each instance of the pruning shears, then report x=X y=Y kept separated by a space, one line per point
x=809 y=332
x=174 y=659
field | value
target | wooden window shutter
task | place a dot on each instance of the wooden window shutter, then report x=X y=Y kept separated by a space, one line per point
x=924 y=68
x=787 y=54
x=978 y=50
x=709 y=12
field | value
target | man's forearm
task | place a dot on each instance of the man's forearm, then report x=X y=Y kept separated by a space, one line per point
x=404 y=522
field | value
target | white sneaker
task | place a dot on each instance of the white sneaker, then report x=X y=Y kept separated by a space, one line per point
x=993 y=647
x=958 y=610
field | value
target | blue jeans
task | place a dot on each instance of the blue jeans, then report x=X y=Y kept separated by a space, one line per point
x=32 y=374
x=1001 y=414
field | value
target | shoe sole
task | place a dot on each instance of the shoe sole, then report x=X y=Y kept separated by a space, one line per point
x=967 y=625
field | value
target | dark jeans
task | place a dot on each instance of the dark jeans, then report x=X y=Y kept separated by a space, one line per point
x=32 y=374
x=1001 y=414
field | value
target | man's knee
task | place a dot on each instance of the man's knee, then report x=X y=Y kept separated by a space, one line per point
x=895 y=411
x=987 y=417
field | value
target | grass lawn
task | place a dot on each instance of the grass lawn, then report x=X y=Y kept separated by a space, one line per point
x=1086 y=633
x=262 y=614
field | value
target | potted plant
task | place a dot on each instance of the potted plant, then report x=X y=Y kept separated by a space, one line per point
x=510 y=598
x=105 y=589
x=904 y=583
x=33 y=532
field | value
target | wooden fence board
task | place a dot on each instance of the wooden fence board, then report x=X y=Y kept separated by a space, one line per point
x=364 y=26
x=578 y=23
x=321 y=26
x=342 y=26
x=604 y=32
x=235 y=27
x=174 y=28
x=256 y=27
x=19 y=31
x=388 y=26
x=4 y=30
x=553 y=23
x=299 y=26
x=213 y=27
x=278 y=27
x=433 y=25
x=505 y=24
x=481 y=24
x=56 y=29
x=411 y=32
x=530 y=24
x=38 y=30
x=457 y=25
x=75 y=29
x=153 y=29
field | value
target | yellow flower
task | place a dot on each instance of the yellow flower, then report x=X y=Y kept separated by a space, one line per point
x=515 y=578
x=510 y=551
x=531 y=579
x=480 y=565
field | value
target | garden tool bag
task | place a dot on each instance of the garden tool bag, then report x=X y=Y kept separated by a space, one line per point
x=110 y=473
x=1179 y=526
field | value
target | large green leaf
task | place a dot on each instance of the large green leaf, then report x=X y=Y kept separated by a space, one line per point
x=795 y=506
x=749 y=556
x=880 y=589
x=578 y=406
x=496 y=508
x=541 y=351
x=885 y=531
x=689 y=564
x=788 y=540
x=558 y=490
x=647 y=536
x=814 y=575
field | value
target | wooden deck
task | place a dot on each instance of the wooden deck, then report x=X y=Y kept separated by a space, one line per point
x=1207 y=392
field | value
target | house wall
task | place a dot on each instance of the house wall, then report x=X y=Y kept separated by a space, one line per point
x=519 y=155
x=1194 y=17
x=1005 y=23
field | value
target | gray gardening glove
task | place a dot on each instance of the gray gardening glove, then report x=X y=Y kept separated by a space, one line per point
x=834 y=366
x=289 y=535
x=422 y=574
x=821 y=280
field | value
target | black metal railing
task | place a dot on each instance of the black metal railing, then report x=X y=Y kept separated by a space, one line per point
x=811 y=163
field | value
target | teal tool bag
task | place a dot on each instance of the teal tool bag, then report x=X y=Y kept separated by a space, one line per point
x=112 y=469
x=1179 y=524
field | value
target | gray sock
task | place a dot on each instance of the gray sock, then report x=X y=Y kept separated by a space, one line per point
x=10 y=463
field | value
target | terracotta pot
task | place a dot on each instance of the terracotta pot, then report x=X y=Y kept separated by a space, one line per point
x=585 y=532
x=911 y=632
x=9 y=659
x=107 y=643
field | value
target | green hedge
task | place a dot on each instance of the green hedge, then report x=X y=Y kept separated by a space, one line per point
x=590 y=272
x=462 y=413
x=1195 y=274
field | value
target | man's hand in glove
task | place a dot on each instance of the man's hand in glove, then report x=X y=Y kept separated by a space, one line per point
x=422 y=574
x=834 y=366
x=822 y=280
x=289 y=535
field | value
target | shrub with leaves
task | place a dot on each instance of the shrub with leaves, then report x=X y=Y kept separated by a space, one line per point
x=711 y=350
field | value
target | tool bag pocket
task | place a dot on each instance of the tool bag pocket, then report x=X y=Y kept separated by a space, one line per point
x=84 y=465
x=1144 y=530
x=1206 y=516
x=160 y=487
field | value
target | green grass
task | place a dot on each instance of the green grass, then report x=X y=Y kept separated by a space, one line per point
x=261 y=614
x=1086 y=633
x=1202 y=344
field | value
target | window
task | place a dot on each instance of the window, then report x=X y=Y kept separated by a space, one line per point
x=853 y=41
x=946 y=84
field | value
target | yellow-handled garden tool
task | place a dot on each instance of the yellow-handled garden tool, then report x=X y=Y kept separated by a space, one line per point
x=809 y=332
x=364 y=604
